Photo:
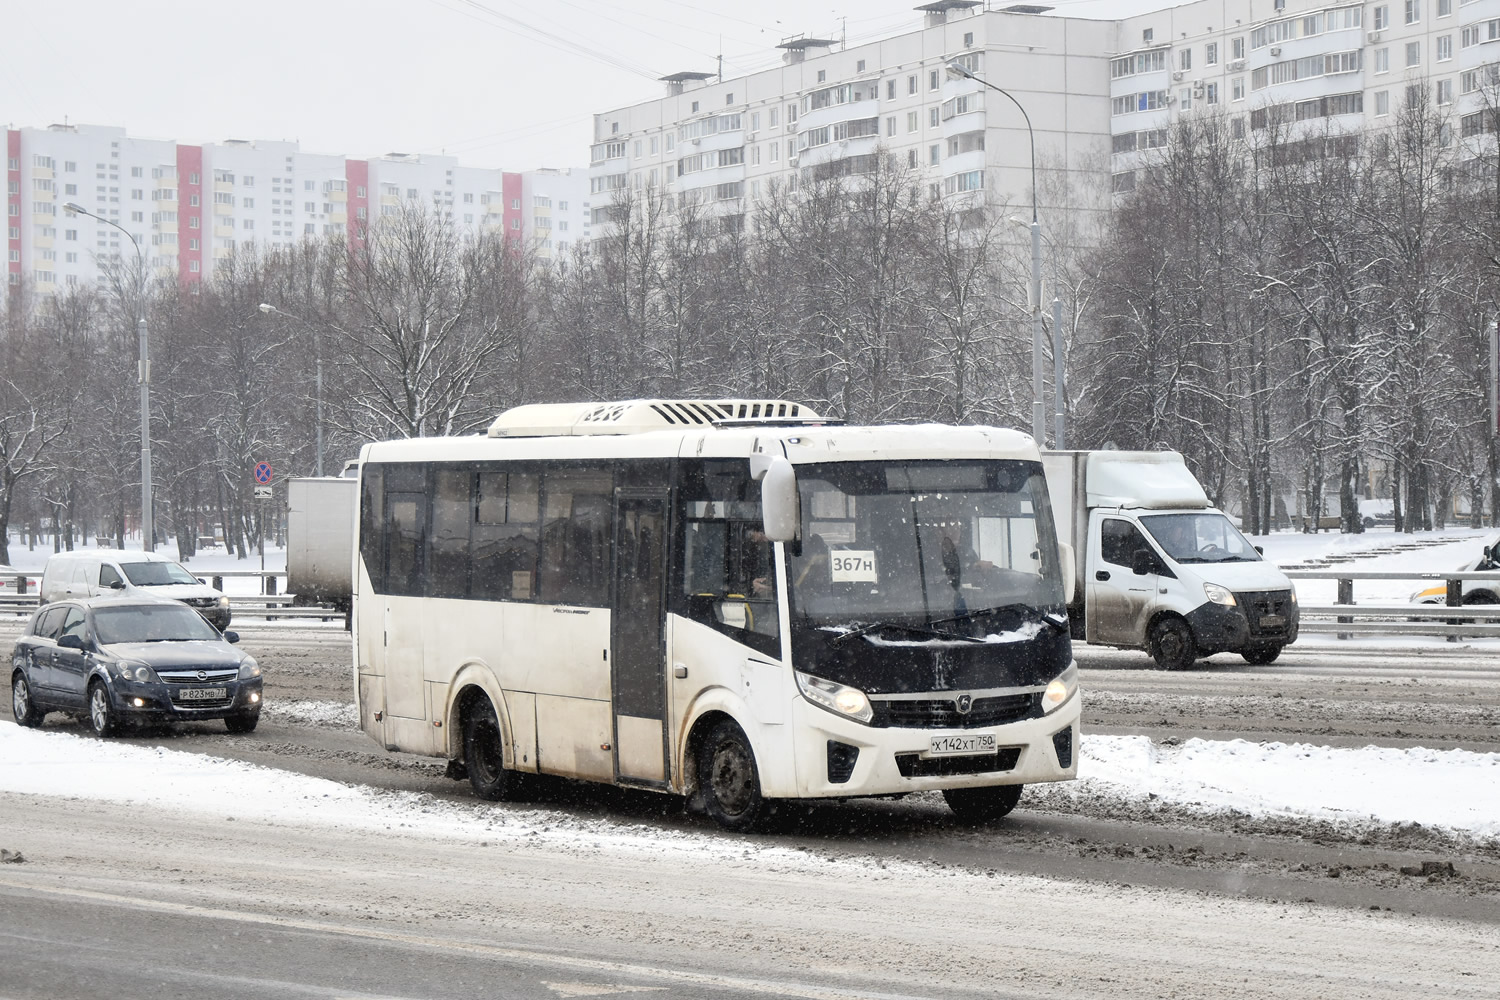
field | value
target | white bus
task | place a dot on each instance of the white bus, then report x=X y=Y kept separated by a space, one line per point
x=731 y=600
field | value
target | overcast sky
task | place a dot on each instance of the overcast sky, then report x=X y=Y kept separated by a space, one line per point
x=498 y=83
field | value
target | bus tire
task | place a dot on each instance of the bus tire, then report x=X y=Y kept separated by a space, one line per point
x=729 y=780
x=983 y=805
x=484 y=755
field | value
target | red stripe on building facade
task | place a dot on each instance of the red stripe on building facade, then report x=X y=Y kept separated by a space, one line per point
x=510 y=187
x=192 y=234
x=357 y=179
x=13 y=227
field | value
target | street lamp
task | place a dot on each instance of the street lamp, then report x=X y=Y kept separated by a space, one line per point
x=143 y=376
x=1059 y=383
x=268 y=309
x=1038 y=407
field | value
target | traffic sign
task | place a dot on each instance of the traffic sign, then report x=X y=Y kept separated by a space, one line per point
x=262 y=492
x=263 y=473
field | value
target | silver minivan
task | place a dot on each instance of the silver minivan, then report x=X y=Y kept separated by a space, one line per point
x=91 y=572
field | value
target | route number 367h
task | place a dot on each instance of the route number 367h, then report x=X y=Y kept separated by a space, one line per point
x=851 y=566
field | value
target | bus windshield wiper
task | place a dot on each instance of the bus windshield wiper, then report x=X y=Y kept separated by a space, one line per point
x=1024 y=610
x=926 y=630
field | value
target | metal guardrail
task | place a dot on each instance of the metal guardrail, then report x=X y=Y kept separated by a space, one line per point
x=1452 y=619
x=268 y=606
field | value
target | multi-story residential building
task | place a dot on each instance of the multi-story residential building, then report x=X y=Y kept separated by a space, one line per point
x=188 y=206
x=1099 y=95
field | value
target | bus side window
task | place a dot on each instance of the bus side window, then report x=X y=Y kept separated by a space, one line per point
x=406 y=541
x=372 y=526
x=576 y=537
x=506 y=535
x=448 y=568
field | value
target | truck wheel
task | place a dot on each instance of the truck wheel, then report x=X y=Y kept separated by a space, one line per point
x=1172 y=644
x=729 y=780
x=983 y=805
x=1261 y=655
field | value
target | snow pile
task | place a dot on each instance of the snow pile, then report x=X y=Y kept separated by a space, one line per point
x=1452 y=790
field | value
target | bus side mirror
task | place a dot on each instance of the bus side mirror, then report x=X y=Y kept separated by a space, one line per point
x=778 y=495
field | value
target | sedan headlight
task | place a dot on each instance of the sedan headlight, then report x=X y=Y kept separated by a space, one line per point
x=838 y=698
x=128 y=670
x=1062 y=688
x=1219 y=595
x=249 y=668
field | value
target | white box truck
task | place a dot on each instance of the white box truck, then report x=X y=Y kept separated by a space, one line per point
x=1157 y=568
x=320 y=539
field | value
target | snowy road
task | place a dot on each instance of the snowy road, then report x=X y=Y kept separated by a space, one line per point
x=1094 y=889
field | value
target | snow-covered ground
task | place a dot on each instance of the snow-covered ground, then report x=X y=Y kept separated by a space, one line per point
x=1452 y=790
x=1442 y=552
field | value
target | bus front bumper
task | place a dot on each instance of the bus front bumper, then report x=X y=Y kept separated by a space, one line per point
x=841 y=758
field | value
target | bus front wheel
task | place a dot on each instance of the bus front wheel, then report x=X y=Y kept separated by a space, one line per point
x=729 y=780
x=484 y=755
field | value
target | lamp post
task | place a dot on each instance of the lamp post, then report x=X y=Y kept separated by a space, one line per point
x=1038 y=407
x=143 y=376
x=268 y=309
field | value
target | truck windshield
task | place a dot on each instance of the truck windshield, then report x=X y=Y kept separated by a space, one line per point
x=922 y=541
x=156 y=574
x=1200 y=538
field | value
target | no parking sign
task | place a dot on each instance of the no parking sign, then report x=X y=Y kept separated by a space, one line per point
x=263 y=473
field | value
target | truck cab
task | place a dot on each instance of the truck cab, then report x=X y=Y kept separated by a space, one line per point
x=1158 y=568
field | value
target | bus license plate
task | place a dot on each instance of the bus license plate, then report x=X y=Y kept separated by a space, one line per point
x=202 y=694
x=943 y=746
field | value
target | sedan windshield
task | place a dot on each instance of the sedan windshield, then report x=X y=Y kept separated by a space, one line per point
x=156 y=574
x=922 y=541
x=1200 y=538
x=151 y=623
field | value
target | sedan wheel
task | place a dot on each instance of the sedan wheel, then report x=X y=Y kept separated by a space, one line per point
x=101 y=714
x=25 y=710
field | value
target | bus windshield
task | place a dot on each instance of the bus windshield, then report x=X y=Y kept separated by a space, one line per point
x=924 y=540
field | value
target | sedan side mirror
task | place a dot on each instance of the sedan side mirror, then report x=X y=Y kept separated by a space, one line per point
x=70 y=641
x=231 y=636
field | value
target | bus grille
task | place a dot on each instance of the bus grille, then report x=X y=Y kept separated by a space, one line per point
x=943 y=713
x=913 y=765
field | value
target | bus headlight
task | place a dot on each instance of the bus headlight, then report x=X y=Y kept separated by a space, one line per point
x=1063 y=687
x=838 y=698
x=1219 y=595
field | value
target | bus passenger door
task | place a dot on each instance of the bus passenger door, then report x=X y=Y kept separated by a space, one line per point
x=638 y=671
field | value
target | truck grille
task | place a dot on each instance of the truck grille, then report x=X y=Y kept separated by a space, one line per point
x=943 y=713
x=1270 y=612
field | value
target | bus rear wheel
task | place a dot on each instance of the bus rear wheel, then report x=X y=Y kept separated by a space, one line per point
x=729 y=780
x=484 y=755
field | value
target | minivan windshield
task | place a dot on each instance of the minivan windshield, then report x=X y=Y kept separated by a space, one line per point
x=151 y=623
x=156 y=574
x=1200 y=538
x=922 y=541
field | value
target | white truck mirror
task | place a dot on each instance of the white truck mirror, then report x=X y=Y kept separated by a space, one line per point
x=1065 y=553
x=778 y=498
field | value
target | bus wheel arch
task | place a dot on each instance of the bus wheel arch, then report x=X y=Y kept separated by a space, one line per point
x=726 y=774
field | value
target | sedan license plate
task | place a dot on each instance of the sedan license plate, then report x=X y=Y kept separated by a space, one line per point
x=202 y=694
x=945 y=746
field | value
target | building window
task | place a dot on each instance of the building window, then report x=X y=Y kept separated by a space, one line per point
x=911 y=84
x=934 y=117
x=1445 y=91
x=1237 y=47
x=859 y=67
x=1148 y=34
x=1237 y=89
x=1413 y=11
x=934 y=154
x=1382 y=60
x=1211 y=94
x=822 y=75
x=934 y=80
x=1444 y=48
x=911 y=121
x=1382 y=17
x=1211 y=54
x=1413 y=54
x=1185 y=59
x=890 y=125
x=911 y=157
x=1382 y=102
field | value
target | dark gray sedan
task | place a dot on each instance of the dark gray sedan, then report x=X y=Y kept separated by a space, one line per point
x=129 y=659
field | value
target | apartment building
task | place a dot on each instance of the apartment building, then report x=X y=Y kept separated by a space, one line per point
x=189 y=206
x=1099 y=95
